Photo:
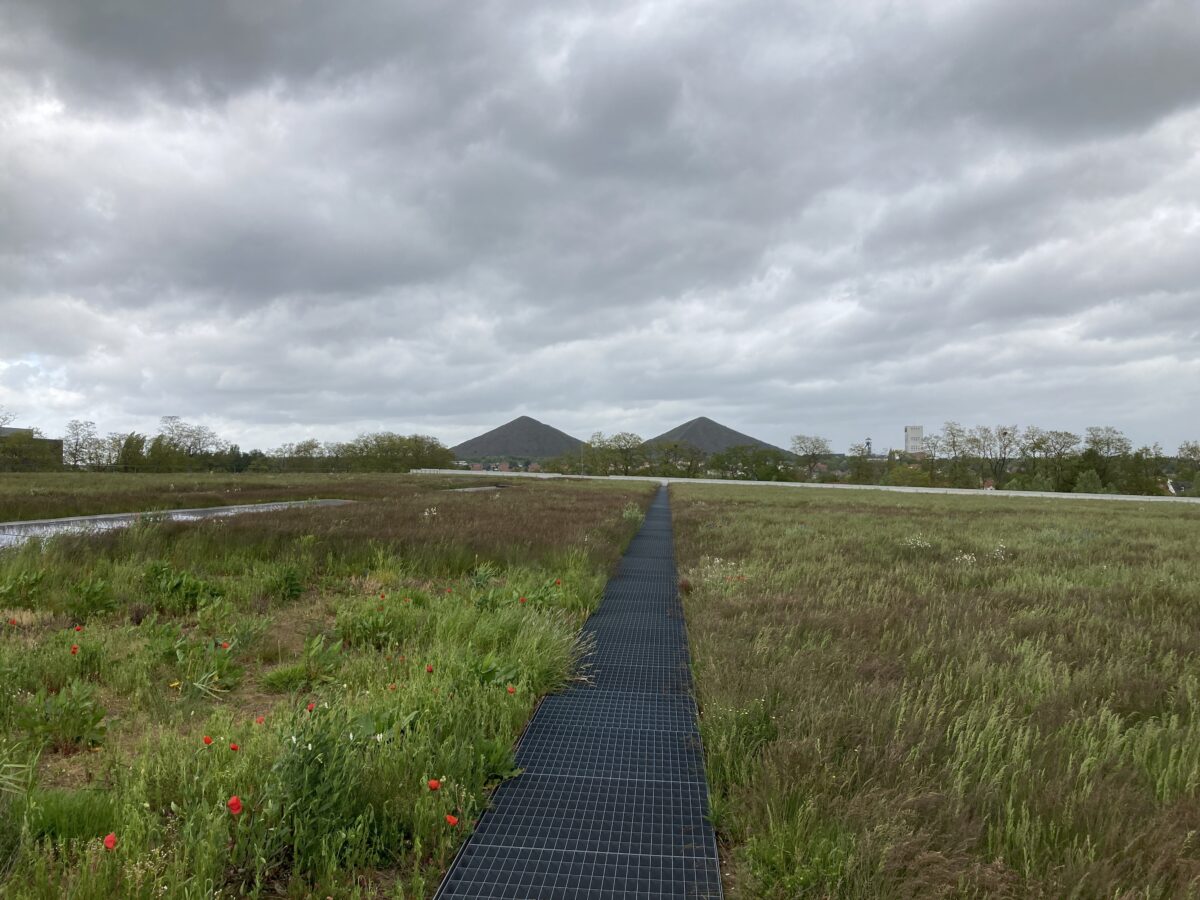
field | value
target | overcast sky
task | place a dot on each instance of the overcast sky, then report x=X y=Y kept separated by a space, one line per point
x=294 y=218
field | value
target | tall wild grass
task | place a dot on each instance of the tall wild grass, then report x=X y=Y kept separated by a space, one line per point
x=313 y=702
x=912 y=696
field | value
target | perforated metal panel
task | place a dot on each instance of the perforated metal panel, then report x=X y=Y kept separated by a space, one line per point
x=612 y=800
x=486 y=871
x=597 y=815
x=617 y=710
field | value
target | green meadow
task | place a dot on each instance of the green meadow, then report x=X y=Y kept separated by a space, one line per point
x=312 y=702
x=901 y=695
x=926 y=696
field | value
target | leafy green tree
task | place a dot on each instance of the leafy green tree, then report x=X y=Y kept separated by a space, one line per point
x=1089 y=482
x=932 y=447
x=388 y=452
x=1140 y=472
x=598 y=455
x=163 y=456
x=1061 y=451
x=994 y=450
x=1109 y=442
x=956 y=447
x=110 y=449
x=1103 y=445
x=132 y=456
x=676 y=459
x=752 y=463
x=628 y=451
x=901 y=473
x=1034 y=481
x=81 y=445
x=1187 y=465
x=811 y=450
x=304 y=456
x=565 y=464
x=862 y=471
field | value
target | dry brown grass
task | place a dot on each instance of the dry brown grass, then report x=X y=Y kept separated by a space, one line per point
x=907 y=696
x=50 y=496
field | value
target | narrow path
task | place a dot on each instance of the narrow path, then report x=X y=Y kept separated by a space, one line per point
x=612 y=801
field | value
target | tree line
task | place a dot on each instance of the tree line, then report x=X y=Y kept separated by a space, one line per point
x=1006 y=457
x=626 y=453
x=179 y=446
x=1003 y=457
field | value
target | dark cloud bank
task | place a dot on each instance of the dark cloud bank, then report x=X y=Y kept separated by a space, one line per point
x=289 y=218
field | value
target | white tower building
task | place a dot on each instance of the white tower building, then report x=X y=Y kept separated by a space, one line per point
x=914 y=439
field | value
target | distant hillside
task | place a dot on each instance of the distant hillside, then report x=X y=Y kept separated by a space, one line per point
x=709 y=436
x=522 y=438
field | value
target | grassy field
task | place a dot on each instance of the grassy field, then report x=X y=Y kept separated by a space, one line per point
x=306 y=703
x=913 y=696
x=46 y=496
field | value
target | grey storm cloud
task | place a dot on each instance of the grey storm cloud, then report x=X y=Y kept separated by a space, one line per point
x=287 y=218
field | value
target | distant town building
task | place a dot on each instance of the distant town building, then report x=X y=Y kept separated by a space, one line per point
x=21 y=450
x=914 y=439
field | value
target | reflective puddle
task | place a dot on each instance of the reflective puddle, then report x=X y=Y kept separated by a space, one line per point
x=13 y=534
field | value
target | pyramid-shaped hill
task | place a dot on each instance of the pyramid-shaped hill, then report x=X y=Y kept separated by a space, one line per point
x=710 y=437
x=522 y=438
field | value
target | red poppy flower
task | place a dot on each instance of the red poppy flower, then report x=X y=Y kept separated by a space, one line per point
x=511 y=689
x=207 y=741
x=382 y=595
x=12 y=622
x=434 y=784
x=110 y=841
x=408 y=599
x=224 y=645
x=235 y=805
x=557 y=581
x=311 y=707
x=258 y=720
x=234 y=747
x=523 y=600
x=429 y=668
x=74 y=649
x=392 y=686
x=451 y=820
x=449 y=590
x=79 y=628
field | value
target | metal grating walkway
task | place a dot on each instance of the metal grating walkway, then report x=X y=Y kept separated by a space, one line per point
x=612 y=801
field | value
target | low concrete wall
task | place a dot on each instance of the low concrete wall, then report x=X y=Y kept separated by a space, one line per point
x=964 y=492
